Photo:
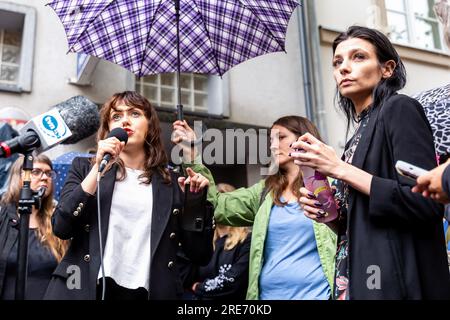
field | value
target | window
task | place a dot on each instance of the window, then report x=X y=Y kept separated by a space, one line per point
x=17 y=25
x=414 y=22
x=199 y=92
x=10 y=43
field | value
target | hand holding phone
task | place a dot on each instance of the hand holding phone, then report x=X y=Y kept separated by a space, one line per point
x=194 y=213
x=409 y=170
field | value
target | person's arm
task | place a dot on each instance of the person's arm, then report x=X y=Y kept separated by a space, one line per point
x=409 y=135
x=435 y=183
x=230 y=279
x=446 y=180
x=235 y=208
x=73 y=202
x=319 y=156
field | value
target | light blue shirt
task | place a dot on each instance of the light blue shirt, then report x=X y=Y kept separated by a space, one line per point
x=291 y=268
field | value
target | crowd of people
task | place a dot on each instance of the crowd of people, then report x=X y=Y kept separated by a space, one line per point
x=128 y=233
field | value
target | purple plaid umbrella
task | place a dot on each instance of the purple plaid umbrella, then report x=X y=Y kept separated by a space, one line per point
x=157 y=36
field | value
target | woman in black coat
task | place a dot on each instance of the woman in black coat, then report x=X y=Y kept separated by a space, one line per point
x=142 y=226
x=45 y=250
x=390 y=240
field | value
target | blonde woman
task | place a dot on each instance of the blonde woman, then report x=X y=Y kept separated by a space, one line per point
x=226 y=275
x=44 y=249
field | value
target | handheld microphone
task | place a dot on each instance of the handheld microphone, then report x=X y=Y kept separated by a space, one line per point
x=69 y=121
x=122 y=136
x=81 y=116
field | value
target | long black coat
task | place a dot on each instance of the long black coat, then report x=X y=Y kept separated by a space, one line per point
x=76 y=217
x=395 y=233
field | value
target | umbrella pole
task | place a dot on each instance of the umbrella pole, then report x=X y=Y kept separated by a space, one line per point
x=179 y=105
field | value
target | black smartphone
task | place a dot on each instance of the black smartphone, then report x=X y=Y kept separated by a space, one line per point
x=194 y=212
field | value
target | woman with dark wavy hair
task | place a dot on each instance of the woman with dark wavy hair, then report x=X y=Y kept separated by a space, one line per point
x=390 y=240
x=45 y=249
x=140 y=200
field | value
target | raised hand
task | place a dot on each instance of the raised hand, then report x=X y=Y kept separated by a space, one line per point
x=196 y=181
x=183 y=135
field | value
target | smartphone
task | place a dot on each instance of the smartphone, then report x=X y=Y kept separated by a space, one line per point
x=194 y=215
x=409 y=170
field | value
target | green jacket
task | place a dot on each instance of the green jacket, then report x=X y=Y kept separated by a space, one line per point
x=242 y=208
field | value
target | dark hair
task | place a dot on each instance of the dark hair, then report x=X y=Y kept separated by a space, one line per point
x=385 y=51
x=278 y=182
x=155 y=156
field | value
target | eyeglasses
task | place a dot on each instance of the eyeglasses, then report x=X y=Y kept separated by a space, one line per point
x=37 y=173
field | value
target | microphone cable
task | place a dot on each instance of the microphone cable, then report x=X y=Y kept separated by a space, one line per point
x=100 y=236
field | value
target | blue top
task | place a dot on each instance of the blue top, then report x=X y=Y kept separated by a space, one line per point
x=446 y=229
x=291 y=268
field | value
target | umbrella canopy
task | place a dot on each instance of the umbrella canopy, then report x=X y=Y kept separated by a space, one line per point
x=62 y=165
x=436 y=104
x=141 y=35
x=161 y=36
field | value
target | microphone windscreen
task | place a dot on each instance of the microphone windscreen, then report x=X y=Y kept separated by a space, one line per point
x=81 y=116
x=119 y=133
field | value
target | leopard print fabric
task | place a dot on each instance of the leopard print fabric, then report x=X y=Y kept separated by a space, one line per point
x=436 y=104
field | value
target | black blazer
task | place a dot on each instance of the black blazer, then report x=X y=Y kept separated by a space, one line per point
x=395 y=235
x=9 y=234
x=76 y=217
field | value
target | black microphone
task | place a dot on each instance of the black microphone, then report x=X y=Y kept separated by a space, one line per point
x=81 y=116
x=122 y=136
x=68 y=122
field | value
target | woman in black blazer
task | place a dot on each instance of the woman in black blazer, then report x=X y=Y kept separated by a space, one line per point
x=142 y=229
x=390 y=240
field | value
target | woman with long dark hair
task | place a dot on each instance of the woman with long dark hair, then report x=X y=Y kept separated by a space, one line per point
x=45 y=249
x=390 y=240
x=141 y=207
x=291 y=257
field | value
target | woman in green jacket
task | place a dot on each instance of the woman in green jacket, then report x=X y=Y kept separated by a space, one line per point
x=291 y=257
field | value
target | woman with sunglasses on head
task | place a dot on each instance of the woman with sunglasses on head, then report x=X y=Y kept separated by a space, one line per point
x=390 y=240
x=141 y=216
x=45 y=250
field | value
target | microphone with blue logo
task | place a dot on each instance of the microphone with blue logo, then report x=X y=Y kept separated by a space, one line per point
x=67 y=122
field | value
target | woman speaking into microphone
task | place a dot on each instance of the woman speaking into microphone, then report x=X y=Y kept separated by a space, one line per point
x=140 y=204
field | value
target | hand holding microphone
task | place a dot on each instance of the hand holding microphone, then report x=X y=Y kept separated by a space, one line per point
x=110 y=147
x=107 y=149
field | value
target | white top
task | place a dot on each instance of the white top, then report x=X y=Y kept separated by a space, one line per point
x=127 y=252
